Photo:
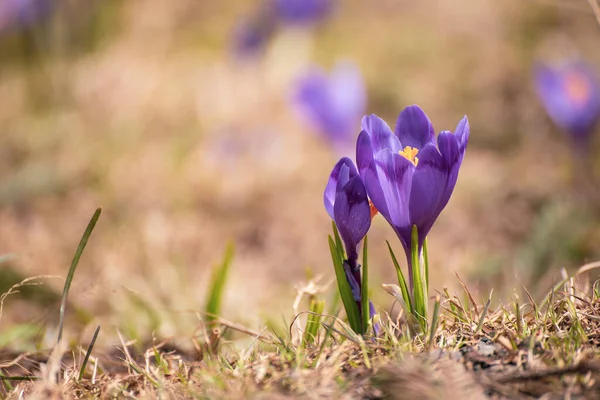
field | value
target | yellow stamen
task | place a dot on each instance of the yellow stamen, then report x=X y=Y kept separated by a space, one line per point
x=577 y=87
x=410 y=153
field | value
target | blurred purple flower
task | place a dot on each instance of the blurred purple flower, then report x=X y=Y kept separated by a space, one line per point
x=334 y=103
x=19 y=14
x=251 y=35
x=300 y=12
x=571 y=94
x=407 y=177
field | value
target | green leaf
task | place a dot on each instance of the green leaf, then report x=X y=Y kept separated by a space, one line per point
x=344 y=288
x=401 y=281
x=328 y=333
x=419 y=295
x=434 y=321
x=313 y=322
x=217 y=284
x=144 y=307
x=88 y=353
x=426 y=262
x=78 y=252
x=365 y=289
x=338 y=241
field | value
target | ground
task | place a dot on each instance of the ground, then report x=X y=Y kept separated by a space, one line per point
x=188 y=148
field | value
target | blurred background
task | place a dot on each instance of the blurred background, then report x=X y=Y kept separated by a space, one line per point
x=194 y=123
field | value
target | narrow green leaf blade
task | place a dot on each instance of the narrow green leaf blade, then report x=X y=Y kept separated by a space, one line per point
x=74 y=263
x=401 y=280
x=420 y=302
x=313 y=321
x=365 y=288
x=88 y=353
x=345 y=289
x=434 y=322
x=338 y=241
x=426 y=262
x=217 y=284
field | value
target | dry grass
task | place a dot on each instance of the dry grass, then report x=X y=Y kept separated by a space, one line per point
x=185 y=149
x=524 y=350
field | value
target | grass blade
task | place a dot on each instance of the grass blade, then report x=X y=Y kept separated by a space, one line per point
x=401 y=281
x=338 y=241
x=434 y=321
x=344 y=288
x=426 y=263
x=483 y=314
x=328 y=332
x=88 y=353
x=217 y=284
x=313 y=321
x=364 y=301
x=419 y=291
x=78 y=252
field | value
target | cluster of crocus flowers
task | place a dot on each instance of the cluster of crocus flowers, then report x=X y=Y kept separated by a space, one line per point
x=408 y=175
x=332 y=103
x=570 y=92
x=253 y=33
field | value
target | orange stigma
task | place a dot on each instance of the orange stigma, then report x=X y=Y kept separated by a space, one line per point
x=577 y=87
x=410 y=153
x=373 y=209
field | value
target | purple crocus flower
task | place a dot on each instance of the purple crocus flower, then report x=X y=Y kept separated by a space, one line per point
x=252 y=35
x=302 y=12
x=347 y=204
x=19 y=14
x=570 y=91
x=408 y=177
x=333 y=104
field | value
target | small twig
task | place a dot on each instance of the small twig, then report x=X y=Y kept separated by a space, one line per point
x=579 y=368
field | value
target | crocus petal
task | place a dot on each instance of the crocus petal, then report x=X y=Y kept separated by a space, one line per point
x=354 y=284
x=453 y=152
x=364 y=151
x=462 y=134
x=388 y=183
x=352 y=214
x=368 y=171
x=334 y=178
x=414 y=128
x=428 y=188
x=348 y=95
x=381 y=135
x=449 y=148
x=372 y=314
